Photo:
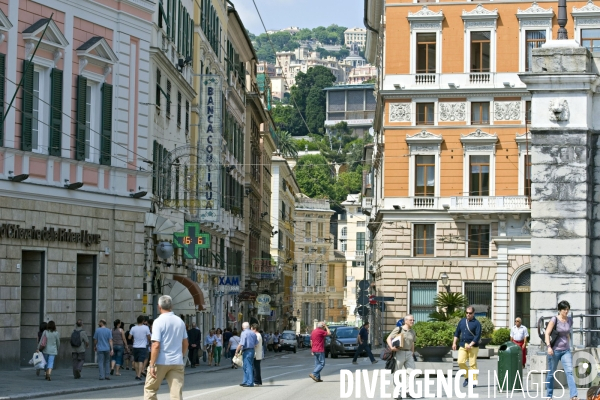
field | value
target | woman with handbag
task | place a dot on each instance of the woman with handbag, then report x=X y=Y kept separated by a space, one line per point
x=557 y=337
x=210 y=342
x=234 y=342
x=43 y=327
x=49 y=345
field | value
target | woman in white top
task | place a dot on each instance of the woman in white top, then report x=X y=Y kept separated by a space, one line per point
x=234 y=342
x=218 y=346
x=210 y=342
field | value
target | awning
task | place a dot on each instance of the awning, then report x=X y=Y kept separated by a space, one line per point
x=186 y=294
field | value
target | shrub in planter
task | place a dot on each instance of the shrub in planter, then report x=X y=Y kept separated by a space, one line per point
x=500 y=336
x=433 y=334
x=487 y=327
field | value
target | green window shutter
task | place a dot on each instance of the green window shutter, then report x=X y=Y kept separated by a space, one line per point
x=2 y=94
x=155 y=170
x=106 y=129
x=81 y=118
x=27 y=107
x=56 y=94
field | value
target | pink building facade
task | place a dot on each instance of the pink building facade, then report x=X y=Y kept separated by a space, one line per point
x=73 y=165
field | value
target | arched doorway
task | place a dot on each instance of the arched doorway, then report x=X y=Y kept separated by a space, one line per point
x=523 y=296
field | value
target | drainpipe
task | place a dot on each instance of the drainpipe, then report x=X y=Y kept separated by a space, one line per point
x=366 y=19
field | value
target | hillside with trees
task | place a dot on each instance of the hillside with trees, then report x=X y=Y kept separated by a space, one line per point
x=284 y=41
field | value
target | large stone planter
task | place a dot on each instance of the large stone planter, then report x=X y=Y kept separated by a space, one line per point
x=433 y=353
x=484 y=342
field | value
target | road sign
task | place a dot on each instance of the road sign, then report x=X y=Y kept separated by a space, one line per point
x=372 y=299
x=381 y=298
x=363 y=285
x=362 y=299
x=191 y=240
x=362 y=311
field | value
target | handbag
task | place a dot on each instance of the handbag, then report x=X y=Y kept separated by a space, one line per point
x=386 y=354
x=391 y=364
x=554 y=333
x=204 y=356
x=43 y=341
x=238 y=360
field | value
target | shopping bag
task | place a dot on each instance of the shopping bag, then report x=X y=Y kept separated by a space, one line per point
x=237 y=360
x=204 y=356
x=38 y=360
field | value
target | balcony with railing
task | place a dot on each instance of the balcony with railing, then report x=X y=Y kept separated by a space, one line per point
x=359 y=253
x=321 y=289
x=332 y=288
x=426 y=81
x=462 y=203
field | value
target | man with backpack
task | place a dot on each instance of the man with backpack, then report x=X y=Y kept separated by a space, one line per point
x=79 y=342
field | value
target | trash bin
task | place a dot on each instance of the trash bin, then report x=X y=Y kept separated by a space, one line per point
x=510 y=367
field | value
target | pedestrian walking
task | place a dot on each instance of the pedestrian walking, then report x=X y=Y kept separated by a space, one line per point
x=276 y=338
x=43 y=327
x=49 y=344
x=210 y=342
x=218 y=349
x=169 y=344
x=559 y=349
x=103 y=345
x=468 y=331
x=128 y=356
x=119 y=341
x=401 y=341
x=140 y=334
x=519 y=335
x=234 y=341
x=149 y=323
x=194 y=341
x=226 y=336
x=363 y=344
x=79 y=342
x=258 y=355
x=246 y=348
x=317 y=339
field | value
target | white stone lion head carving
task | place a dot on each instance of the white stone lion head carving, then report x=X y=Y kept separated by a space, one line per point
x=559 y=110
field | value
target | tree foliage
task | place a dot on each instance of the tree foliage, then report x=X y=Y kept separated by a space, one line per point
x=287 y=118
x=311 y=100
x=447 y=304
x=286 y=145
x=314 y=176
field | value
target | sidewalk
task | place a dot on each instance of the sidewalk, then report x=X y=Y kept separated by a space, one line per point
x=24 y=384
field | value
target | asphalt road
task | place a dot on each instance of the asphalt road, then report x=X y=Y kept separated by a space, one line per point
x=286 y=377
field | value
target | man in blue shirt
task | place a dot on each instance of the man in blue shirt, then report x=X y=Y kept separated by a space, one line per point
x=103 y=345
x=469 y=332
x=363 y=344
x=247 y=342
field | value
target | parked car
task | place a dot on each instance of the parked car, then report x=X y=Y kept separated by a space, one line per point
x=344 y=342
x=288 y=341
x=332 y=330
x=306 y=341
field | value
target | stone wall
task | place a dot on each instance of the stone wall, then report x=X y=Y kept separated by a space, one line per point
x=119 y=277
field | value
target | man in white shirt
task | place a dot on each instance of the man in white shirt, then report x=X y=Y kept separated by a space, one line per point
x=258 y=355
x=169 y=344
x=141 y=337
x=519 y=335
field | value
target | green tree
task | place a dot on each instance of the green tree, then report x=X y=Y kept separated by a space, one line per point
x=347 y=182
x=310 y=98
x=314 y=176
x=287 y=118
x=286 y=145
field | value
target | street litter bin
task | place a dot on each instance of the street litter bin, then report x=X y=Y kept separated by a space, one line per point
x=510 y=367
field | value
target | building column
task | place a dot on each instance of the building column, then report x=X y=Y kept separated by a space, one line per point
x=562 y=88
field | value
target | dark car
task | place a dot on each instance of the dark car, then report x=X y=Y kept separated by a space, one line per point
x=305 y=341
x=344 y=342
x=332 y=330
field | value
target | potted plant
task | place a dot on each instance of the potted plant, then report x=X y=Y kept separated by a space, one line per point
x=434 y=339
x=487 y=330
x=448 y=305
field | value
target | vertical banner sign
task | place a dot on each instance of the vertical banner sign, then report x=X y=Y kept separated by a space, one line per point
x=210 y=138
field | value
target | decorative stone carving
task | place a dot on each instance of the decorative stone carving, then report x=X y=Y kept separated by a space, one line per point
x=400 y=112
x=426 y=25
x=559 y=110
x=537 y=22
x=589 y=7
x=507 y=111
x=534 y=9
x=479 y=134
x=479 y=141
x=526 y=229
x=480 y=10
x=452 y=111
x=426 y=12
x=587 y=21
x=490 y=147
x=423 y=149
x=424 y=135
x=480 y=24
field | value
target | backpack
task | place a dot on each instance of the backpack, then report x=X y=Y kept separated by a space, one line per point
x=76 y=338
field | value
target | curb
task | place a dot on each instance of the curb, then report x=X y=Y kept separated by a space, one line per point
x=38 y=395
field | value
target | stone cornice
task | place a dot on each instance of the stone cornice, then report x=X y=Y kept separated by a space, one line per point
x=409 y=94
x=479 y=13
x=535 y=12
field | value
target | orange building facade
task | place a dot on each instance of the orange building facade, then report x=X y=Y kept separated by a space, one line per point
x=449 y=189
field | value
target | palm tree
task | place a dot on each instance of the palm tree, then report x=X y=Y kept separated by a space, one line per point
x=447 y=304
x=286 y=144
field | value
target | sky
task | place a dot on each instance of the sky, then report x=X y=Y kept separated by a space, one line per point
x=278 y=14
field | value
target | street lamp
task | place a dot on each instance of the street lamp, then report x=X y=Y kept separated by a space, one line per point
x=445 y=280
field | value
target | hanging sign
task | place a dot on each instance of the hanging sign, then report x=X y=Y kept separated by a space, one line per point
x=191 y=240
x=263 y=304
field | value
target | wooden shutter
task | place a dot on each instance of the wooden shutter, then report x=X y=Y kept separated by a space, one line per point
x=2 y=94
x=56 y=94
x=80 y=121
x=27 y=107
x=155 y=169
x=106 y=129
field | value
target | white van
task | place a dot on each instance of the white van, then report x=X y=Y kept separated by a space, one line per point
x=288 y=341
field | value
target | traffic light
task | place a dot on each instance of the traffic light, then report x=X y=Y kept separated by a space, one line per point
x=362 y=298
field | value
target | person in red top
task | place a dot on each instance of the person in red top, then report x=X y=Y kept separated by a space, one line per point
x=317 y=341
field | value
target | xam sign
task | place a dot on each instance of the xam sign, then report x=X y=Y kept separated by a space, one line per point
x=229 y=284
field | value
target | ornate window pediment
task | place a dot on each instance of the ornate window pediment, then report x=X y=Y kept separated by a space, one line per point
x=479 y=138
x=424 y=137
x=535 y=16
x=480 y=17
x=53 y=39
x=96 y=51
x=5 y=24
x=425 y=19
x=586 y=16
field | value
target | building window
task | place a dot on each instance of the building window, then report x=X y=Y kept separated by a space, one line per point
x=320 y=230
x=480 y=176
x=480 y=113
x=187 y=116
x=340 y=303
x=320 y=312
x=422 y=295
x=527 y=175
x=168 y=111
x=331 y=276
x=344 y=246
x=158 y=90
x=320 y=272
x=39 y=140
x=425 y=113
x=423 y=240
x=426 y=43
x=533 y=40
x=307 y=229
x=331 y=303
x=528 y=112
x=360 y=224
x=480 y=293
x=307 y=312
x=479 y=240
x=179 y=109
x=480 y=51
x=425 y=176
x=92 y=123
x=344 y=231
x=307 y=275
x=360 y=241
x=590 y=39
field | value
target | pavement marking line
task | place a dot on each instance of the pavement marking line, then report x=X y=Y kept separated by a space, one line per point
x=282 y=366
x=229 y=387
